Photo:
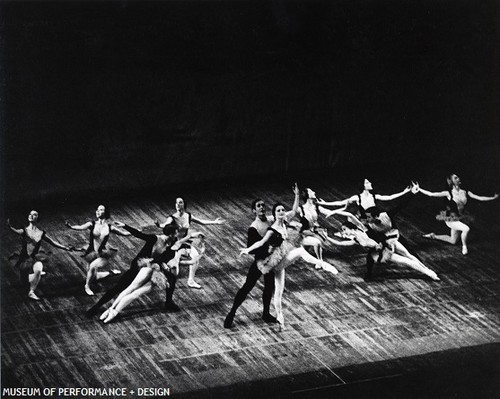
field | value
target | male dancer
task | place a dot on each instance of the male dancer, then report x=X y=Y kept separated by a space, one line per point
x=256 y=231
x=149 y=250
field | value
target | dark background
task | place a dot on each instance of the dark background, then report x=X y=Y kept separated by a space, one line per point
x=124 y=95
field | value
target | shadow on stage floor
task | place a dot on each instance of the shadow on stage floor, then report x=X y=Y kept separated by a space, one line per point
x=460 y=374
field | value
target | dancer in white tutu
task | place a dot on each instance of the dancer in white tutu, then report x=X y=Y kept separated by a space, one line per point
x=285 y=248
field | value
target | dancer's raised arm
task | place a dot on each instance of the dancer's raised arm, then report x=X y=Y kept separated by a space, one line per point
x=296 y=203
x=338 y=203
x=56 y=244
x=482 y=197
x=17 y=231
x=392 y=196
x=84 y=226
x=206 y=222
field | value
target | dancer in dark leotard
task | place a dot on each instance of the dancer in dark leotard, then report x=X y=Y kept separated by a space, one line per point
x=97 y=255
x=366 y=199
x=183 y=220
x=383 y=246
x=285 y=248
x=256 y=231
x=153 y=248
x=30 y=262
x=158 y=254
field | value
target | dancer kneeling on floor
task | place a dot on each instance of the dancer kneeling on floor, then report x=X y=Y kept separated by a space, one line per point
x=454 y=214
x=30 y=262
x=96 y=254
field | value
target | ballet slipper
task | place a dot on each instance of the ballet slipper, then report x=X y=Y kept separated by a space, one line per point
x=112 y=314
x=281 y=323
x=430 y=236
x=193 y=284
x=32 y=295
x=465 y=251
x=115 y=272
x=105 y=314
x=89 y=291
x=329 y=268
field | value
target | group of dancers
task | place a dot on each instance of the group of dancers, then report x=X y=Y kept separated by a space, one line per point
x=275 y=241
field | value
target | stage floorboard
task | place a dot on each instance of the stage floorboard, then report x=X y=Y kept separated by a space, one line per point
x=343 y=334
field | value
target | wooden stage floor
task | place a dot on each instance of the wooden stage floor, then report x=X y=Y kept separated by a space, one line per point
x=344 y=336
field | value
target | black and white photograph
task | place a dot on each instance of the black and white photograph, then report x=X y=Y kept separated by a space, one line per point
x=250 y=199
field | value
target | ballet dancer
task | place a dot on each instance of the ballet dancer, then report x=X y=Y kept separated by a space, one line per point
x=313 y=234
x=385 y=248
x=30 y=262
x=256 y=231
x=454 y=214
x=160 y=255
x=96 y=254
x=366 y=199
x=153 y=244
x=183 y=220
x=283 y=238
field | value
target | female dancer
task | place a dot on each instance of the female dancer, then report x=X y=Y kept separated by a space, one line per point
x=311 y=231
x=97 y=255
x=159 y=253
x=385 y=248
x=283 y=251
x=453 y=216
x=183 y=220
x=366 y=199
x=30 y=263
x=314 y=235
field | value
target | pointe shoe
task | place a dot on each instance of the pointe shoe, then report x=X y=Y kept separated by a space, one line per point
x=430 y=236
x=89 y=291
x=193 y=284
x=281 y=323
x=43 y=273
x=115 y=272
x=112 y=314
x=105 y=314
x=465 y=251
x=329 y=268
x=434 y=276
x=32 y=295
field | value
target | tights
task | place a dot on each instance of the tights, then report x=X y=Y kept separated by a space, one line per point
x=252 y=277
x=124 y=281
